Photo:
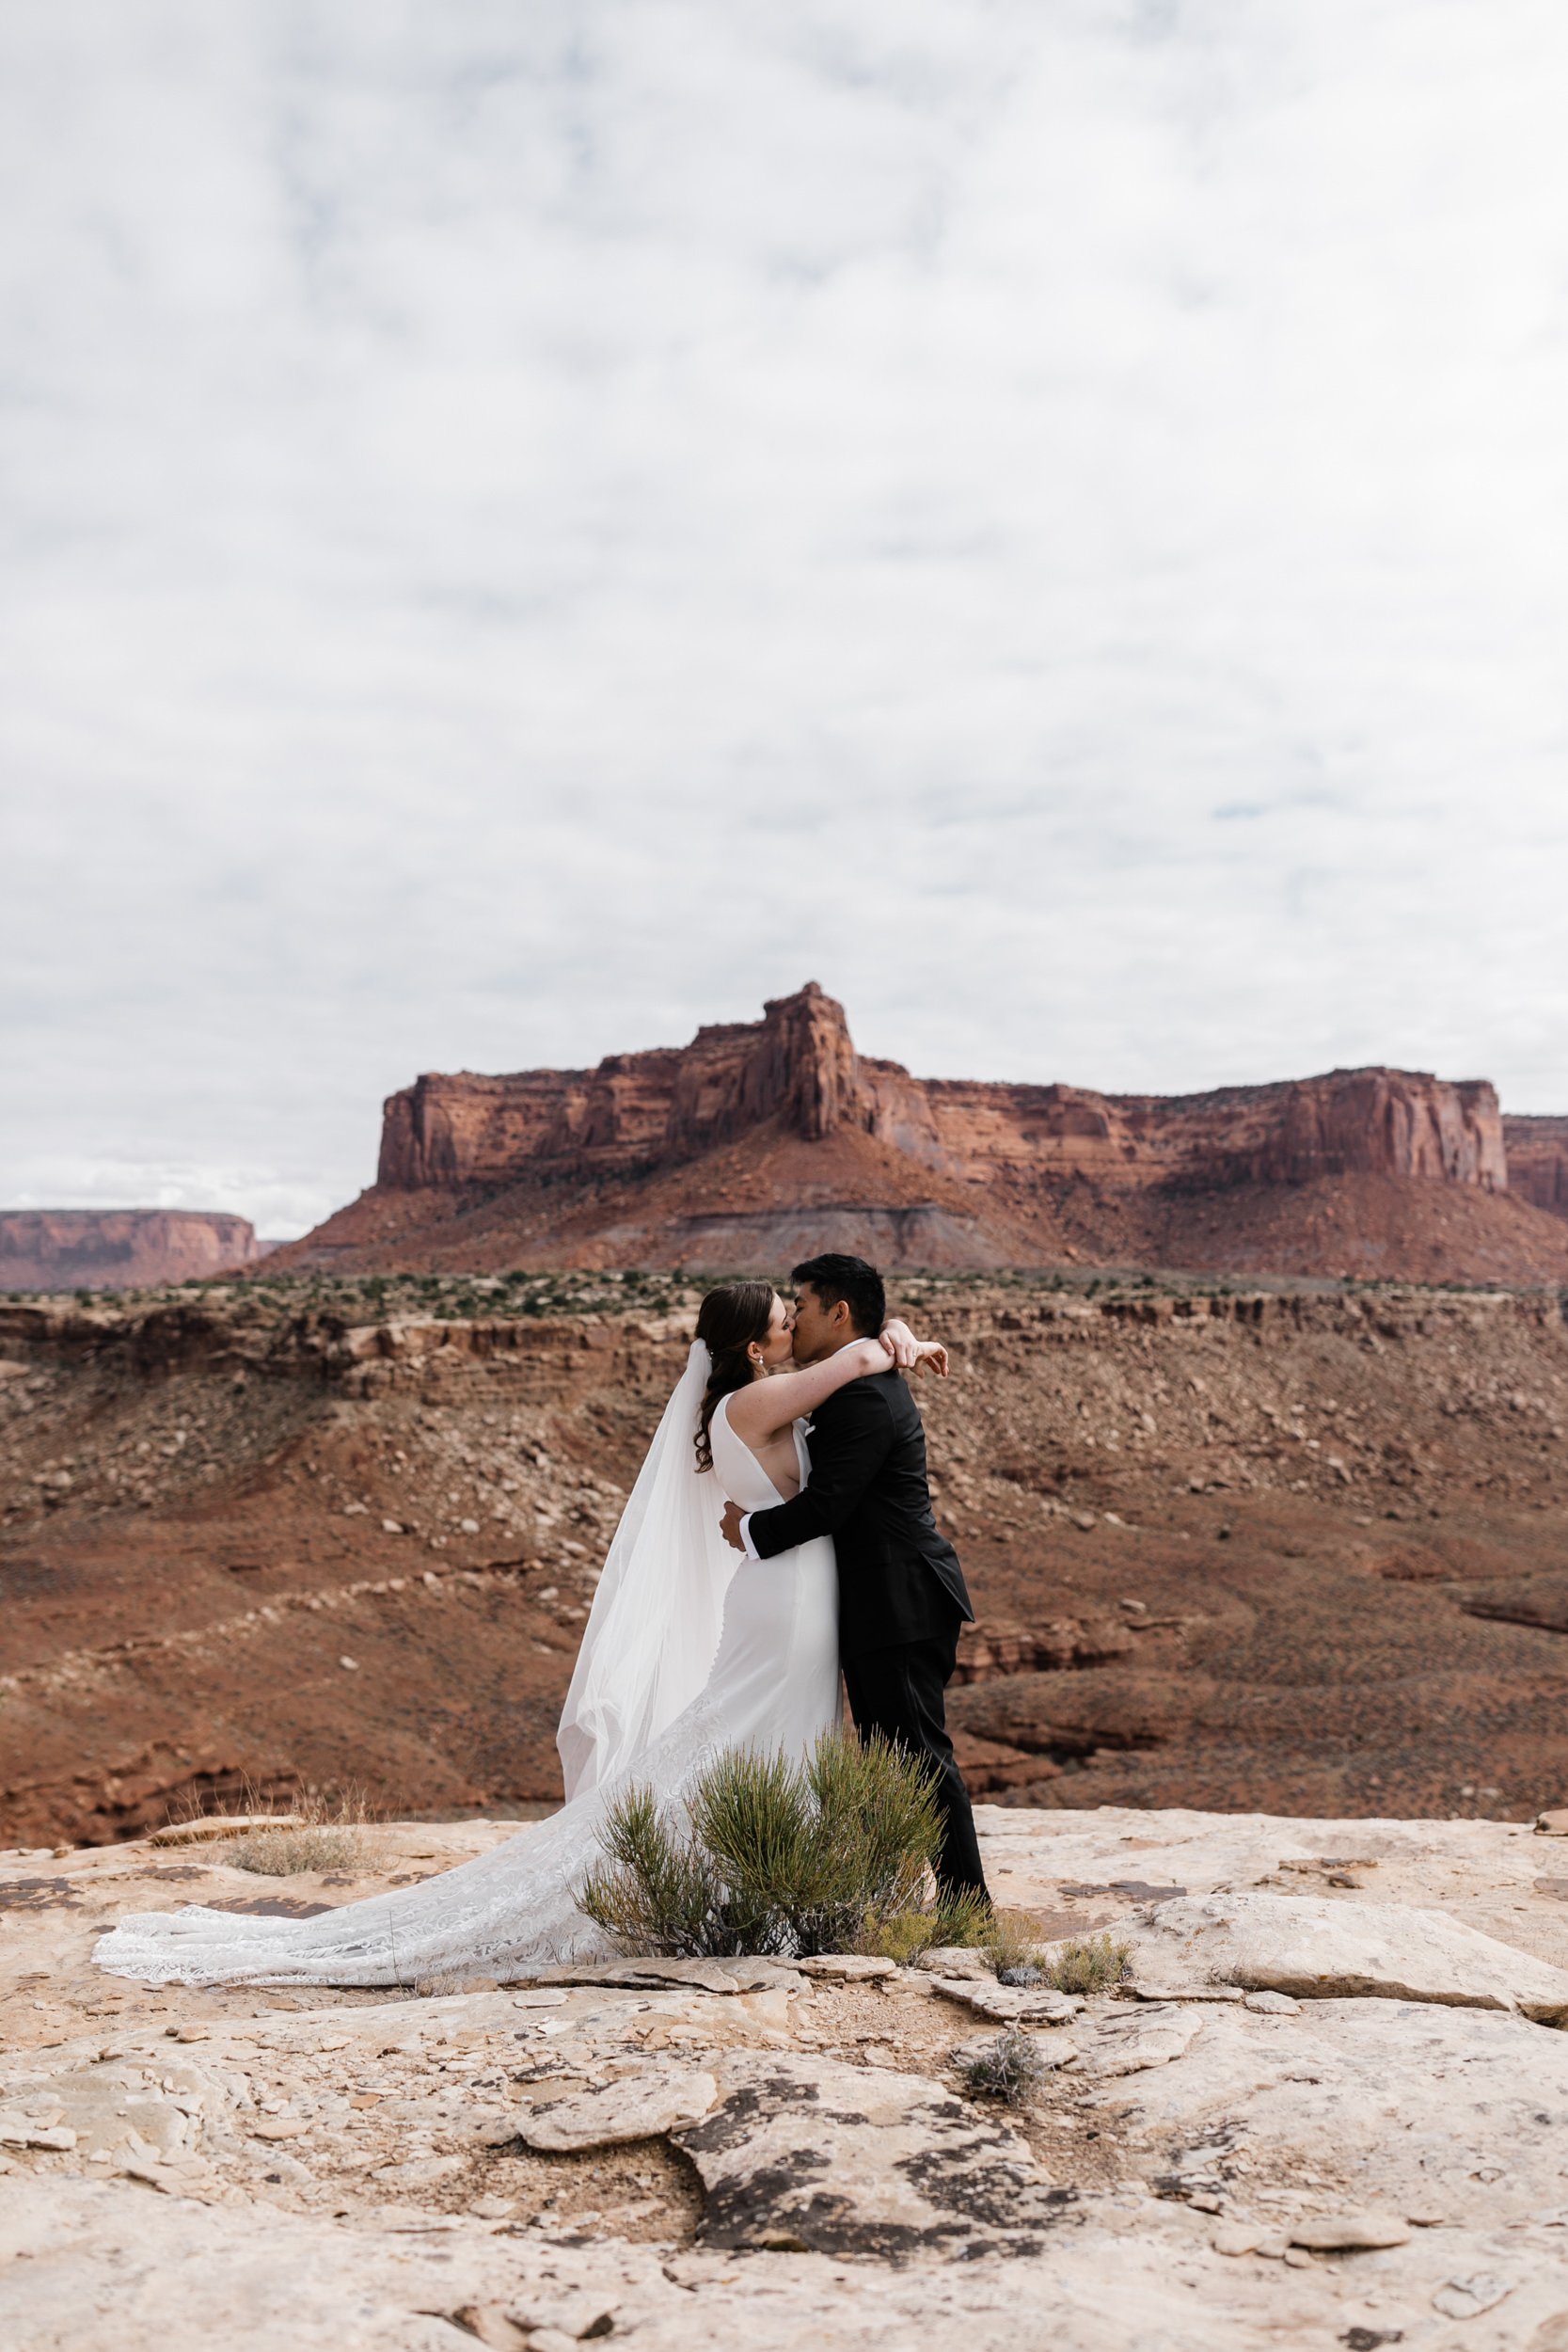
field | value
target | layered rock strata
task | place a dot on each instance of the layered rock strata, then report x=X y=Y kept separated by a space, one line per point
x=1290 y=1549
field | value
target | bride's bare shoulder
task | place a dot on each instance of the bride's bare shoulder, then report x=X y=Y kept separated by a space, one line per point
x=731 y=1409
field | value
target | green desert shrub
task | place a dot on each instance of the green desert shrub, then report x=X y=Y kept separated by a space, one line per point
x=654 y=1890
x=774 y=1857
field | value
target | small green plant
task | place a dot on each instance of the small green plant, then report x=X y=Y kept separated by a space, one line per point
x=1010 y=2068
x=775 y=1858
x=1088 y=1964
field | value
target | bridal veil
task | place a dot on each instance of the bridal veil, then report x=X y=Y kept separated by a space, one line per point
x=654 y=1628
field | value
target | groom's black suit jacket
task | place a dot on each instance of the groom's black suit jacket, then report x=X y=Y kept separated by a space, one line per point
x=898 y=1580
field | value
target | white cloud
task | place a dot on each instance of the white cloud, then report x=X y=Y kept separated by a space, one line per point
x=529 y=530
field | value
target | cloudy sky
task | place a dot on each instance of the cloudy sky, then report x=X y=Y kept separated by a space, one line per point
x=528 y=527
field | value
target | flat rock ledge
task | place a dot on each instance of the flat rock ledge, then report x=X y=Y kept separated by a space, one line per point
x=639 y=2107
x=1316 y=1950
x=1010 y=2005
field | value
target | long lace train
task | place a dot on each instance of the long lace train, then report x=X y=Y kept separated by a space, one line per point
x=499 y=1915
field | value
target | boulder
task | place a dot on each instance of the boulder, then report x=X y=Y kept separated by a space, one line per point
x=1465 y=2299
x=953 y=1959
x=1248 y=2238
x=1316 y=1950
x=577 y=2313
x=848 y=1967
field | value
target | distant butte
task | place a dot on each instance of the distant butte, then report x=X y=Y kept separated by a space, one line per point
x=56 y=1249
x=762 y=1141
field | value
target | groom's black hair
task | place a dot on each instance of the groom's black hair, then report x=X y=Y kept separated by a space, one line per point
x=833 y=1277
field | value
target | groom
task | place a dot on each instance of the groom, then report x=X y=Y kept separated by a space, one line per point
x=901 y=1591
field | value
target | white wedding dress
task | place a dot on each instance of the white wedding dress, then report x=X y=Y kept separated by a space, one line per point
x=689 y=1648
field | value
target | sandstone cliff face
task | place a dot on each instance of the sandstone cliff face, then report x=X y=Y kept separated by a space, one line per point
x=1538 y=1161
x=798 y=1067
x=634 y=1112
x=1376 y=1122
x=763 y=1141
x=44 y=1249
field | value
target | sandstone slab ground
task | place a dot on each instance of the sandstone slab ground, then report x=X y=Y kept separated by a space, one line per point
x=349 y=2170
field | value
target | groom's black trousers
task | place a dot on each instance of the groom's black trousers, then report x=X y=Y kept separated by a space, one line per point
x=901 y=1694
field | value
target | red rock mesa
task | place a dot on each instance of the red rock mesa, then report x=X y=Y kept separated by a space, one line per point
x=761 y=1140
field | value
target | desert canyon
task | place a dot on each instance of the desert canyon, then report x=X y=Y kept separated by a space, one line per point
x=1254 y=1453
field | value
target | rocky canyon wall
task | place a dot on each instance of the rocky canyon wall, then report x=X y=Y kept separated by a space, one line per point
x=46 y=1249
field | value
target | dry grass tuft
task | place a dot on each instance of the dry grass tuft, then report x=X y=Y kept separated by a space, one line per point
x=1085 y=1964
x=1010 y=2068
x=1014 y=1941
x=331 y=1836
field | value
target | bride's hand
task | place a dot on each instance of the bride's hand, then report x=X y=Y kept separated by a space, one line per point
x=901 y=1343
x=912 y=1355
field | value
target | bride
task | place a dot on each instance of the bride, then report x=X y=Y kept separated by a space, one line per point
x=689 y=1648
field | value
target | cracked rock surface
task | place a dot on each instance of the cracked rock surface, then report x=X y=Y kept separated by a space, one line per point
x=1318 y=1949
x=1367 y=2147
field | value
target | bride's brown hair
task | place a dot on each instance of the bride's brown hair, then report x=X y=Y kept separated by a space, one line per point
x=730 y=1320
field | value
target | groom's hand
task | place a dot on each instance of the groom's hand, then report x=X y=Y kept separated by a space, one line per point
x=730 y=1525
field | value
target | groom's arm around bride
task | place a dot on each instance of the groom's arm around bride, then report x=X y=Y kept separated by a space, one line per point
x=902 y=1596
